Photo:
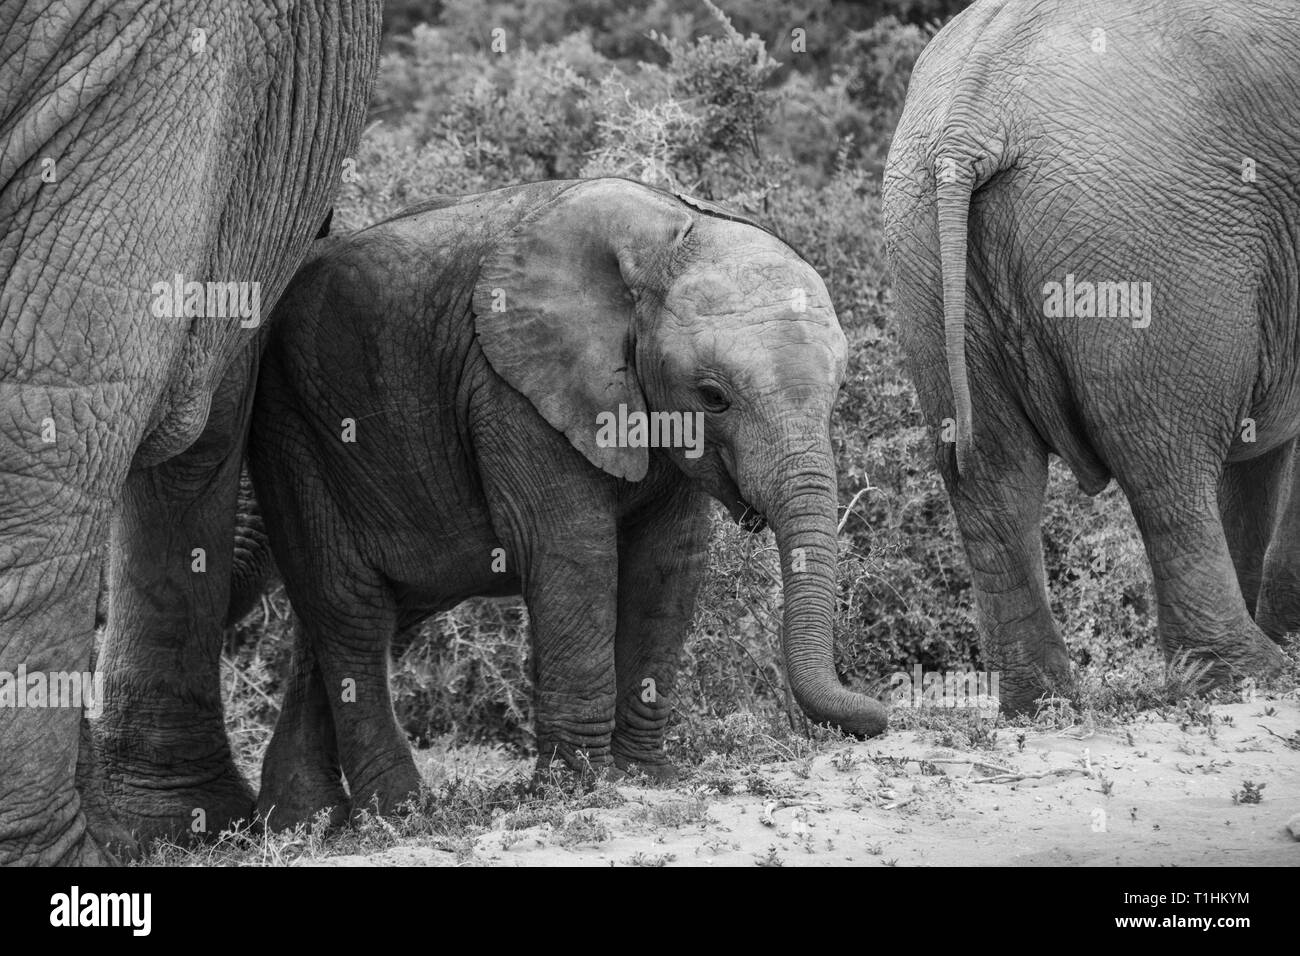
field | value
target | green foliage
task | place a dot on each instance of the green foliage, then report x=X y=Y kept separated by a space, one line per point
x=878 y=66
x=725 y=82
x=466 y=673
x=620 y=28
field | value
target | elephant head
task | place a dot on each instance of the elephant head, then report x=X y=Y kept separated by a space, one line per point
x=613 y=301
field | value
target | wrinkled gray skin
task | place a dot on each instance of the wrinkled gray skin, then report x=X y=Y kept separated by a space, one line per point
x=251 y=567
x=476 y=431
x=1123 y=165
x=1263 y=530
x=216 y=164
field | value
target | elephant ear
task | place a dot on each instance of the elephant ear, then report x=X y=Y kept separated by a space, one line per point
x=555 y=306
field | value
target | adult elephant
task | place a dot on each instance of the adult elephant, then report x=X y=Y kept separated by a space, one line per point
x=1092 y=214
x=143 y=146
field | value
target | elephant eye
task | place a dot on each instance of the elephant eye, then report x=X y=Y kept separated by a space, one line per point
x=713 y=398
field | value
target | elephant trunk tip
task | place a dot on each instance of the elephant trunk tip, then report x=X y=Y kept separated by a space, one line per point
x=856 y=715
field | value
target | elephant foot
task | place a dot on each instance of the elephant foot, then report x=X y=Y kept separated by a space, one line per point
x=102 y=825
x=387 y=794
x=659 y=771
x=164 y=762
x=107 y=832
x=71 y=842
x=89 y=850
x=1021 y=700
x=1275 y=628
x=1230 y=661
x=300 y=799
x=1018 y=693
x=181 y=811
x=1025 y=664
x=74 y=825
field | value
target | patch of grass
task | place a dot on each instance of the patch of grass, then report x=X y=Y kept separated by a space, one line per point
x=254 y=664
x=1250 y=792
x=581 y=828
x=844 y=761
x=466 y=674
x=960 y=729
x=451 y=816
x=714 y=774
x=247 y=844
x=761 y=785
x=748 y=738
x=770 y=858
x=650 y=859
x=673 y=814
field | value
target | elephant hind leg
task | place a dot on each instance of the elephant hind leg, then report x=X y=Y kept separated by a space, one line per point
x=338 y=712
x=1202 y=613
x=998 y=503
x=352 y=652
x=1249 y=496
x=103 y=826
x=301 y=776
x=161 y=742
x=51 y=546
x=1278 y=610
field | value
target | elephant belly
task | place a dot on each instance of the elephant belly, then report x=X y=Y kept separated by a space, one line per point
x=419 y=602
x=462 y=562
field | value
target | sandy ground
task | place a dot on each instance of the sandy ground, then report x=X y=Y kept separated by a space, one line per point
x=1149 y=792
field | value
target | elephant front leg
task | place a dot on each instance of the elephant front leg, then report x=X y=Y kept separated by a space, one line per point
x=161 y=742
x=999 y=506
x=661 y=562
x=571 y=590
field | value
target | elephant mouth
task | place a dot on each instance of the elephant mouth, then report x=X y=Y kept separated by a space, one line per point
x=741 y=511
x=751 y=519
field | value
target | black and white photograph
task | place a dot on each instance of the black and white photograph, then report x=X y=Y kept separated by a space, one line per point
x=650 y=433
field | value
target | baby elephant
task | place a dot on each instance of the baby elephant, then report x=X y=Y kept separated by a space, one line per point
x=534 y=391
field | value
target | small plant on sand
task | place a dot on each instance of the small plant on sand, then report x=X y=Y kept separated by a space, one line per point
x=770 y=858
x=1250 y=792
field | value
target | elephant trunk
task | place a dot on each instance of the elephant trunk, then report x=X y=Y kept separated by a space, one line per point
x=801 y=512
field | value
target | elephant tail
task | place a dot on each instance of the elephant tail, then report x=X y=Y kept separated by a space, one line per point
x=953 y=204
x=975 y=139
x=252 y=566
